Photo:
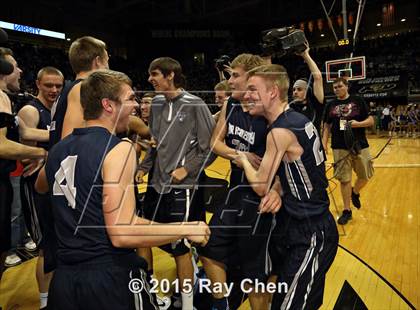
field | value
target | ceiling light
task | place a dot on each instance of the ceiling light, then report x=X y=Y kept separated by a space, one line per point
x=379 y=24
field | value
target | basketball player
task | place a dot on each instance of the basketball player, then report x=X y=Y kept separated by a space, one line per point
x=221 y=95
x=145 y=106
x=90 y=177
x=86 y=55
x=37 y=114
x=237 y=131
x=306 y=235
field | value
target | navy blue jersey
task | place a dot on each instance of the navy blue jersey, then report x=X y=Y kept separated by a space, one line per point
x=58 y=112
x=73 y=169
x=44 y=119
x=303 y=181
x=244 y=133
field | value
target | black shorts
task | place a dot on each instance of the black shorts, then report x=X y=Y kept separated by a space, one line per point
x=6 y=198
x=179 y=205
x=38 y=212
x=304 y=251
x=239 y=233
x=101 y=284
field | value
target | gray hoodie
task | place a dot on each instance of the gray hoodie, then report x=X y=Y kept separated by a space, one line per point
x=182 y=129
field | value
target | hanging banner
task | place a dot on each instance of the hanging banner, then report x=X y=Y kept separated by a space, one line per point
x=391 y=86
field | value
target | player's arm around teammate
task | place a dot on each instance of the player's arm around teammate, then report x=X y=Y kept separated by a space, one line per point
x=125 y=229
x=278 y=142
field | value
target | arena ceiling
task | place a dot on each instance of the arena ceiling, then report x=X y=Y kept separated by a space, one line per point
x=215 y=13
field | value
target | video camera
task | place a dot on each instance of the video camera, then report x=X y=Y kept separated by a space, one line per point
x=222 y=61
x=19 y=99
x=282 y=41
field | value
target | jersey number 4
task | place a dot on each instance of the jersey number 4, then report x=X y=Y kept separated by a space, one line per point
x=318 y=152
x=64 y=180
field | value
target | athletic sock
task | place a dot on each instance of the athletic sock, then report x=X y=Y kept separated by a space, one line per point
x=187 y=300
x=43 y=300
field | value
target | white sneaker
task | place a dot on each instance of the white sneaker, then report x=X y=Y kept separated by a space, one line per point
x=30 y=246
x=12 y=260
x=163 y=302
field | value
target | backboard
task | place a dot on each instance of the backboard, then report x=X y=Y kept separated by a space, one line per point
x=353 y=68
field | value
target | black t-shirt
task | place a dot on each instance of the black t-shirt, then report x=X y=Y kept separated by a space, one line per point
x=312 y=109
x=352 y=108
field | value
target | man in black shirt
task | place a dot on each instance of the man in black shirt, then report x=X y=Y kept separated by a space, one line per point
x=308 y=98
x=346 y=117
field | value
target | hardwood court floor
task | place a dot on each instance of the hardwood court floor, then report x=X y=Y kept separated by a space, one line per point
x=378 y=259
x=384 y=233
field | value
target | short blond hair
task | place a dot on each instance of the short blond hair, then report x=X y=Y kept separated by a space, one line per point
x=247 y=61
x=223 y=86
x=49 y=70
x=275 y=74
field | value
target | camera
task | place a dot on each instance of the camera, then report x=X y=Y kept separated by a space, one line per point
x=282 y=41
x=20 y=99
x=8 y=120
x=222 y=61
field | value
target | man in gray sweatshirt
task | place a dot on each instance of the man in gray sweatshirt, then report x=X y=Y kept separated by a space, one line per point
x=181 y=125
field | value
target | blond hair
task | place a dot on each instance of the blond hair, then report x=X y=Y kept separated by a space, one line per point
x=223 y=86
x=276 y=75
x=49 y=70
x=247 y=61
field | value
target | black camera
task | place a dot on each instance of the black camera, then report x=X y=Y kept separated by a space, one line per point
x=222 y=61
x=281 y=41
x=8 y=120
x=20 y=99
